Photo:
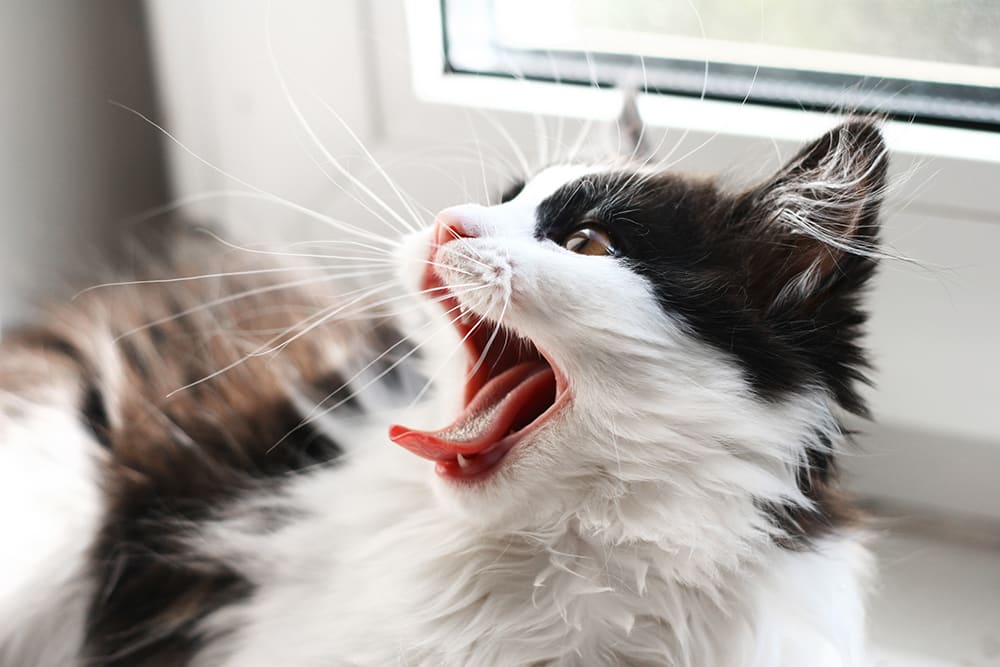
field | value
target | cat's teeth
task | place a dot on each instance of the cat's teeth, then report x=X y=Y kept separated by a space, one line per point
x=462 y=461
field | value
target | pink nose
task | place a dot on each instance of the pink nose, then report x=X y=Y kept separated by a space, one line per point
x=449 y=225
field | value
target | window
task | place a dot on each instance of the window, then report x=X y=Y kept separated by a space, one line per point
x=930 y=61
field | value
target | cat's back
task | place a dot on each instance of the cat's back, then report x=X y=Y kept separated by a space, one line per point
x=138 y=410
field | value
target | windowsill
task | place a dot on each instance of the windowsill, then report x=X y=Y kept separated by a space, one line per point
x=937 y=603
x=688 y=113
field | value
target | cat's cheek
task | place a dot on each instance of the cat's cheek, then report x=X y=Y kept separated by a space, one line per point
x=411 y=259
x=559 y=299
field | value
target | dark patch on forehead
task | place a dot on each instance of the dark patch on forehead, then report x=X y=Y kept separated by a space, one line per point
x=687 y=238
x=665 y=230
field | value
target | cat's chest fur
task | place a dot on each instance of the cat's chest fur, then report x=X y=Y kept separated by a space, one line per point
x=375 y=572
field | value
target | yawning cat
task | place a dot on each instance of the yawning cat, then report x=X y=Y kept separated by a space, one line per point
x=639 y=380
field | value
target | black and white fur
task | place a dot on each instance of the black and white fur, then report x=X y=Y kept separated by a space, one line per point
x=682 y=510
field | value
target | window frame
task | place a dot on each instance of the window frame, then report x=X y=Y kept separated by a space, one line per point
x=750 y=74
x=435 y=80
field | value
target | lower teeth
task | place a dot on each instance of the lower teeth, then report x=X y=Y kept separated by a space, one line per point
x=462 y=461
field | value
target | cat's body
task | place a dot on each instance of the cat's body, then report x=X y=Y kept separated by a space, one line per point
x=662 y=492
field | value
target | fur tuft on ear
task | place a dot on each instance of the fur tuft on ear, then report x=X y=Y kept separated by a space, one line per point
x=632 y=141
x=818 y=211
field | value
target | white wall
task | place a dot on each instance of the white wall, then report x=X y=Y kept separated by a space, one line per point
x=224 y=99
x=71 y=165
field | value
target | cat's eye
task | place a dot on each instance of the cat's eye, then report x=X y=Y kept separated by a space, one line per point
x=590 y=240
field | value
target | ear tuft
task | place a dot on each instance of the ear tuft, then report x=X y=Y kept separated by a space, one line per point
x=820 y=209
x=632 y=139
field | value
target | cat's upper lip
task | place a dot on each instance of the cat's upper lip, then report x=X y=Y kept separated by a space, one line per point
x=512 y=389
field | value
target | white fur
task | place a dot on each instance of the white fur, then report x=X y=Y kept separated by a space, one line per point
x=50 y=508
x=628 y=530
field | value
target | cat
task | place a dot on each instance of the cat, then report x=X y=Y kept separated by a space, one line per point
x=628 y=458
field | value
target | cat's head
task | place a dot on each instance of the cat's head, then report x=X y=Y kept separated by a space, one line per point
x=669 y=354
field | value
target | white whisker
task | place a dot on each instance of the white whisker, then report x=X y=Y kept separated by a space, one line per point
x=326 y=316
x=314 y=414
x=257 y=193
x=444 y=364
x=489 y=343
x=205 y=276
x=263 y=349
x=399 y=195
x=522 y=159
x=307 y=128
x=229 y=298
x=278 y=253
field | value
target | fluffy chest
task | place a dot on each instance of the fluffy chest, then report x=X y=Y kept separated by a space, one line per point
x=379 y=574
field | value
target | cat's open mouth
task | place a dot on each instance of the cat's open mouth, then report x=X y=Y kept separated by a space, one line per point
x=511 y=389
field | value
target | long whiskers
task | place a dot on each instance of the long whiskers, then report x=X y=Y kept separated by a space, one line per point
x=229 y=298
x=378 y=167
x=267 y=346
x=307 y=128
x=208 y=276
x=324 y=316
x=256 y=192
x=316 y=410
x=489 y=343
x=317 y=413
x=278 y=253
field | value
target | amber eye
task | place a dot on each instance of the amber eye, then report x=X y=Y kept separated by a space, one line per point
x=590 y=240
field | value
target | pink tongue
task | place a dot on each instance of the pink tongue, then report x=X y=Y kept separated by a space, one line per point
x=500 y=407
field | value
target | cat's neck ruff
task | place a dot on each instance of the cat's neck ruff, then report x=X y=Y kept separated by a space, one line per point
x=446 y=591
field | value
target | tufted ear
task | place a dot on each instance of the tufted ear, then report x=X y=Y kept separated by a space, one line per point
x=632 y=140
x=817 y=218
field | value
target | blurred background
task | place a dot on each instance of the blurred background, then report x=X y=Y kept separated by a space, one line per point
x=264 y=104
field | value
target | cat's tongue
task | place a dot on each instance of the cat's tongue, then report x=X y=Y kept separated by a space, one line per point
x=505 y=404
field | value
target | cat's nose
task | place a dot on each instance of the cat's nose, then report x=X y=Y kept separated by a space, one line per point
x=453 y=223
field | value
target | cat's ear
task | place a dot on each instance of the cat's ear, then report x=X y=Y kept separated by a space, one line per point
x=817 y=218
x=632 y=140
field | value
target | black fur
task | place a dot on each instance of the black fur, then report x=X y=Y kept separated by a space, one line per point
x=177 y=462
x=153 y=589
x=95 y=415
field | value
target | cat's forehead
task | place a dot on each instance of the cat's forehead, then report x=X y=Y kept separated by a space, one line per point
x=642 y=196
x=595 y=181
